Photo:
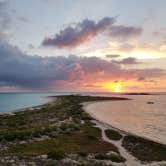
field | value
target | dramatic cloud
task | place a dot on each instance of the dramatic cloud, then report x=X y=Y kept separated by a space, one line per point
x=74 y=36
x=87 y=29
x=34 y=72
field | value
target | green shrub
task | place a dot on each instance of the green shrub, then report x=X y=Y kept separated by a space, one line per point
x=100 y=156
x=113 y=157
x=91 y=137
x=85 y=116
x=83 y=154
x=64 y=126
x=112 y=134
x=76 y=120
x=144 y=149
x=53 y=134
x=58 y=155
x=116 y=158
x=13 y=135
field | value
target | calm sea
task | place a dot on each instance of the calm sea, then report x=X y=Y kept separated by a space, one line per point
x=15 y=101
x=135 y=116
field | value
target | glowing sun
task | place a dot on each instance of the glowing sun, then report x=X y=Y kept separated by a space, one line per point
x=118 y=88
x=113 y=87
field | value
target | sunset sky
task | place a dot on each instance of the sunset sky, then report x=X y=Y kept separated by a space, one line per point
x=83 y=45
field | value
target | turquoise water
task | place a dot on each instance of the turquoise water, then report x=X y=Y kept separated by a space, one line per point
x=15 y=101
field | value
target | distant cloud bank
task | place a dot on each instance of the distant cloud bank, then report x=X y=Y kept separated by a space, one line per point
x=34 y=72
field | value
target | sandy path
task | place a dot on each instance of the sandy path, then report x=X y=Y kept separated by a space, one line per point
x=131 y=161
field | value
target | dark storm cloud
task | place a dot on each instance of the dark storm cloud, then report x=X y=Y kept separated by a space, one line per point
x=83 y=31
x=20 y=70
x=23 y=70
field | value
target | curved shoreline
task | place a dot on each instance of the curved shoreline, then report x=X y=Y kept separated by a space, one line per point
x=131 y=159
x=86 y=104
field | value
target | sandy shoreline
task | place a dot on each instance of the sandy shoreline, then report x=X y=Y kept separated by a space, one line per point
x=85 y=104
x=131 y=160
x=86 y=109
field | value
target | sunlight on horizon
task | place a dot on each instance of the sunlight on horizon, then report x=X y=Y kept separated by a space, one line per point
x=114 y=87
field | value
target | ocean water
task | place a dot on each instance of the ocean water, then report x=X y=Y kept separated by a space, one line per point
x=14 y=101
x=135 y=116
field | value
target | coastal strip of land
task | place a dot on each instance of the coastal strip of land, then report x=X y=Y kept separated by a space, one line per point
x=62 y=133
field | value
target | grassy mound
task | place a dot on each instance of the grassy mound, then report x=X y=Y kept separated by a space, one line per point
x=113 y=135
x=143 y=149
x=113 y=157
x=58 y=155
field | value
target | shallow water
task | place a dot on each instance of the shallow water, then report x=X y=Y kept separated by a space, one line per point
x=15 y=101
x=135 y=116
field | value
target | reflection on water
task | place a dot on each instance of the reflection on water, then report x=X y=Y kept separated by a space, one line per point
x=135 y=116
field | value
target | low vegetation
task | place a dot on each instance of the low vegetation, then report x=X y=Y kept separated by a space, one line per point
x=58 y=155
x=113 y=135
x=113 y=157
x=62 y=130
x=54 y=128
x=144 y=150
